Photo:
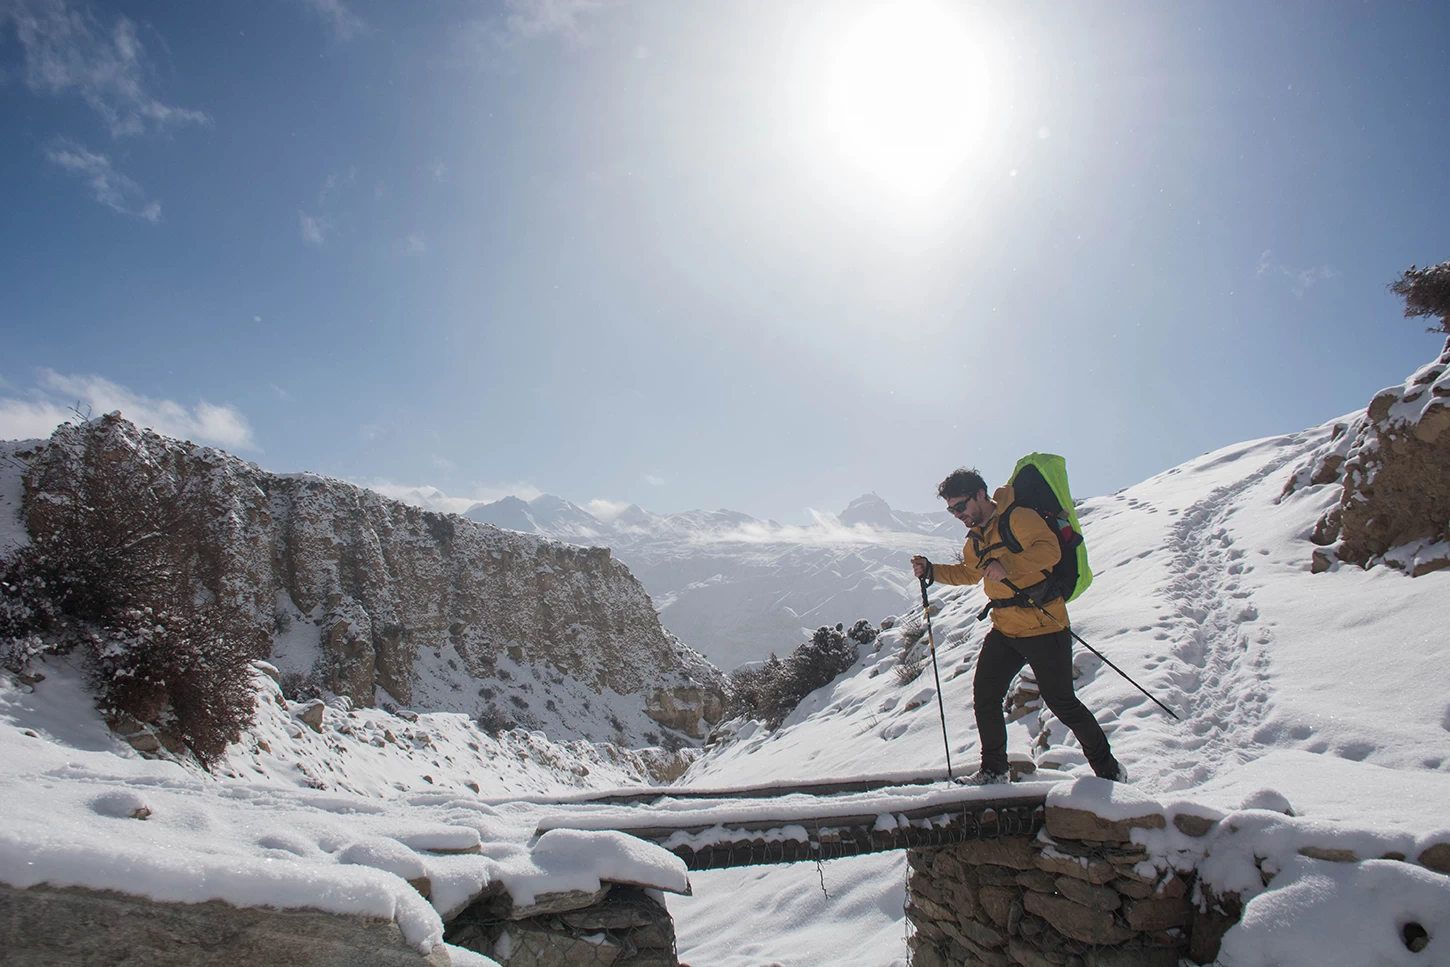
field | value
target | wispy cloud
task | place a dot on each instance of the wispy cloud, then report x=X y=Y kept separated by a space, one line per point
x=314 y=228
x=54 y=394
x=414 y=244
x=654 y=481
x=824 y=530
x=344 y=23
x=334 y=183
x=1300 y=280
x=111 y=188
x=30 y=419
x=282 y=394
x=534 y=18
x=68 y=50
x=606 y=510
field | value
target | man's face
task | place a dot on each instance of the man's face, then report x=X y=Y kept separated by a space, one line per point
x=972 y=511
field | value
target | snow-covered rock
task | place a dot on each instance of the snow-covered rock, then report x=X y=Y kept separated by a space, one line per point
x=1391 y=467
x=383 y=602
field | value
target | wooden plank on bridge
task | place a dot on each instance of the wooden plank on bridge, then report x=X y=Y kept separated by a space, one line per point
x=825 y=829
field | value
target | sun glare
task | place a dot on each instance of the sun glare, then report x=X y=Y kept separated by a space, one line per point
x=906 y=95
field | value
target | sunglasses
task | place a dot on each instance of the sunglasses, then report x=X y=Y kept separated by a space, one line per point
x=957 y=508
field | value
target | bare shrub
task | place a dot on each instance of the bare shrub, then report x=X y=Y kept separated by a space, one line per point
x=494 y=720
x=908 y=669
x=301 y=686
x=912 y=631
x=120 y=534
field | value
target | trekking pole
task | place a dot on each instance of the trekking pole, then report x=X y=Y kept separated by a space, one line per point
x=1022 y=597
x=930 y=637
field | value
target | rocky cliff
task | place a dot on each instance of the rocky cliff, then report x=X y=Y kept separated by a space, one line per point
x=366 y=597
x=1392 y=468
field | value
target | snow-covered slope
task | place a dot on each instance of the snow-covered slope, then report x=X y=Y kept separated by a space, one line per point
x=1328 y=691
x=737 y=588
x=1330 y=688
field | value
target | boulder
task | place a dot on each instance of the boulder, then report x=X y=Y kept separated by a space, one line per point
x=1436 y=858
x=311 y=714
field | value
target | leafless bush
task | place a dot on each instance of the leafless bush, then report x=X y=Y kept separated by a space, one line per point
x=912 y=631
x=908 y=669
x=301 y=686
x=493 y=720
x=119 y=530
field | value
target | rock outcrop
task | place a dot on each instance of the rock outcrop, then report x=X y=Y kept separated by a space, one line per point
x=377 y=600
x=1393 y=467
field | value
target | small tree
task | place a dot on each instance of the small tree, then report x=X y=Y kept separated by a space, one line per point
x=1426 y=293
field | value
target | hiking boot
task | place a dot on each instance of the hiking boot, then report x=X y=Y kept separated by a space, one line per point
x=984 y=777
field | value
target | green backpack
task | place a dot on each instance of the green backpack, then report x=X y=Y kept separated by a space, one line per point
x=1039 y=482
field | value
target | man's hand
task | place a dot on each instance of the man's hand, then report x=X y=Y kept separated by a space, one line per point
x=994 y=571
x=920 y=566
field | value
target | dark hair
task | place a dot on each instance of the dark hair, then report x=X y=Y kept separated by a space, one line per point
x=961 y=483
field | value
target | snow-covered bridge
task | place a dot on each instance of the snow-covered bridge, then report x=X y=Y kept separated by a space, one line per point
x=779 y=823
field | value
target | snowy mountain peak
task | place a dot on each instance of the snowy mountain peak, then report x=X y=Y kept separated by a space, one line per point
x=871 y=510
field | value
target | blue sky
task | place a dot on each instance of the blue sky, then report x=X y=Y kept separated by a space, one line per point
x=649 y=251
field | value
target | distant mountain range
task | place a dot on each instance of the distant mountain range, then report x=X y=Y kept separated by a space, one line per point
x=738 y=588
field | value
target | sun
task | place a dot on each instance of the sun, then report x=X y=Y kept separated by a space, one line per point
x=906 y=95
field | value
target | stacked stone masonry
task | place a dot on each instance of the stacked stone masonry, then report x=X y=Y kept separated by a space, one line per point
x=1079 y=894
x=618 y=926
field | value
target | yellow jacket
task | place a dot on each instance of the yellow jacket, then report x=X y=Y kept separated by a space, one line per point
x=1040 y=551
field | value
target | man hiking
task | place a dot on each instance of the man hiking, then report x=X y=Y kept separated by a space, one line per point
x=1022 y=632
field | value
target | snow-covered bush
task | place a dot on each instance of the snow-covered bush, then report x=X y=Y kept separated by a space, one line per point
x=772 y=691
x=115 y=531
x=1426 y=293
x=28 y=615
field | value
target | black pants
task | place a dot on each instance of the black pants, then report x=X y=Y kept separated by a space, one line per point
x=1050 y=656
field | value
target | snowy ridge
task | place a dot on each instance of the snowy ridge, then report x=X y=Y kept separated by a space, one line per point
x=1325 y=692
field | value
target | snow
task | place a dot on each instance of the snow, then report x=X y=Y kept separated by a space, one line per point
x=1324 y=694
x=1328 y=689
x=1110 y=800
x=1342 y=913
x=571 y=859
x=83 y=810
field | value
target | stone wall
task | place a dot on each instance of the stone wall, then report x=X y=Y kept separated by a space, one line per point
x=1151 y=886
x=46 y=926
x=1080 y=894
x=618 y=926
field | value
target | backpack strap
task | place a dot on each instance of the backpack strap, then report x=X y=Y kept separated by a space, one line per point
x=1004 y=537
